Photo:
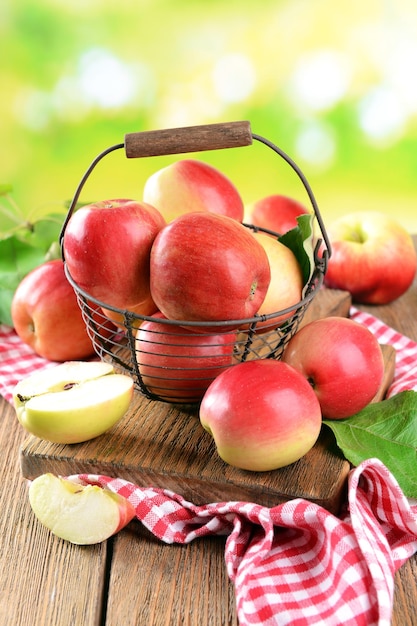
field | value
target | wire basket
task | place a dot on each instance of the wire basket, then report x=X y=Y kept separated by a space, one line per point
x=175 y=361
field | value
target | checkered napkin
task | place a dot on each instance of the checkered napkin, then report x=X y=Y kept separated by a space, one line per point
x=294 y=564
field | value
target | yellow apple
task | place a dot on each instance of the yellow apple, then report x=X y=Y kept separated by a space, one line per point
x=72 y=402
x=83 y=515
x=285 y=288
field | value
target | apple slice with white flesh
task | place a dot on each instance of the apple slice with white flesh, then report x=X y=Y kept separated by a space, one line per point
x=83 y=515
x=72 y=402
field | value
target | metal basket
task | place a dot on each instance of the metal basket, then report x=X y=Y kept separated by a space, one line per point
x=161 y=361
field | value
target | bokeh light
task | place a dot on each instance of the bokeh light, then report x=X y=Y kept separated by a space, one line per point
x=331 y=83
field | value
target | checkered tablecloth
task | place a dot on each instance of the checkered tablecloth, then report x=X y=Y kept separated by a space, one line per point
x=294 y=564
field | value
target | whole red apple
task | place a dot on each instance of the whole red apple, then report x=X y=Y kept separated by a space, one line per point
x=176 y=364
x=342 y=361
x=373 y=257
x=107 y=249
x=286 y=286
x=262 y=415
x=208 y=267
x=191 y=185
x=276 y=212
x=46 y=315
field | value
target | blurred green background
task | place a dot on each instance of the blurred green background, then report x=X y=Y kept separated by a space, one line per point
x=332 y=83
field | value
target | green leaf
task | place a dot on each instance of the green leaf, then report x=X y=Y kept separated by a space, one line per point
x=385 y=430
x=17 y=258
x=22 y=252
x=43 y=232
x=300 y=241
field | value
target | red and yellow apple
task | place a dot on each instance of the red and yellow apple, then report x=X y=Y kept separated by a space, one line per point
x=286 y=285
x=46 y=315
x=72 y=402
x=177 y=364
x=107 y=250
x=343 y=362
x=192 y=185
x=80 y=514
x=262 y=415
x=373 y=257
x=208 y=267
x=275 y=212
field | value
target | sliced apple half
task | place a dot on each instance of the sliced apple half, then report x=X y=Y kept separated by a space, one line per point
x=80 y=514
x=72 y=402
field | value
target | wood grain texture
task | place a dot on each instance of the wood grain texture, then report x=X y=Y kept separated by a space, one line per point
x=188 y=139
x=172 y=585
x=43 y=580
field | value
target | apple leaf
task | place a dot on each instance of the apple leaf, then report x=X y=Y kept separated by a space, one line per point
x=22 y=252
x=300 y=241
x=385 y=430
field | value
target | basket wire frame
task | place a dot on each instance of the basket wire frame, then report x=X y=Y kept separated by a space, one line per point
x=219 y=345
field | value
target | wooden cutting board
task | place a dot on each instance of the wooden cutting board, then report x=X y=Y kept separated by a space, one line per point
x=162 y=445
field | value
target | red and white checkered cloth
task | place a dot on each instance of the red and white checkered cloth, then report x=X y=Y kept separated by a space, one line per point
x=294 y=564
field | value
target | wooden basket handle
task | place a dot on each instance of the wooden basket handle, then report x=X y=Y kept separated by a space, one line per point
x=188 y=139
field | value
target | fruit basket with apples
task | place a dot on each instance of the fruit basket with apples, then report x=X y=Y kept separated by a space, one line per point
x=173 y=302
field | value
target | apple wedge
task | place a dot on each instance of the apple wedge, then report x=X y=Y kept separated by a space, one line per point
x=72 y=402
x=83 y=515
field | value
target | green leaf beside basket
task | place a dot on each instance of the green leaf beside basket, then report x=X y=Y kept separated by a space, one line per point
x=300 y=241
x=385 y=430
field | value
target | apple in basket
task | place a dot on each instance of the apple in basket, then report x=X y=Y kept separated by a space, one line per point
x=46 y=315
x=275 y=212
x=286 y=286
x=343 y=362
x=373 y=257
x=72 y=402
x=81 y=514
x=191 y=185
x=208 y=267
x=107 y=249
x=177 y=364
x=262 y=415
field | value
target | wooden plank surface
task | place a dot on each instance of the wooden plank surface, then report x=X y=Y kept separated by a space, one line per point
x=43 y=580
x=175 y=585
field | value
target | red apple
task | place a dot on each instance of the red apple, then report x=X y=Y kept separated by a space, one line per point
x=343 y=362
x=262 y=415
x=192 y=185
x=285 y=288
x=373 y=257
x=208 y=267
x=176 y=364
x=276 y=212
x=47 y=317
x=107 y=250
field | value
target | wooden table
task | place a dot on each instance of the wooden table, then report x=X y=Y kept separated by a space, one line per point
x=132 y=579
